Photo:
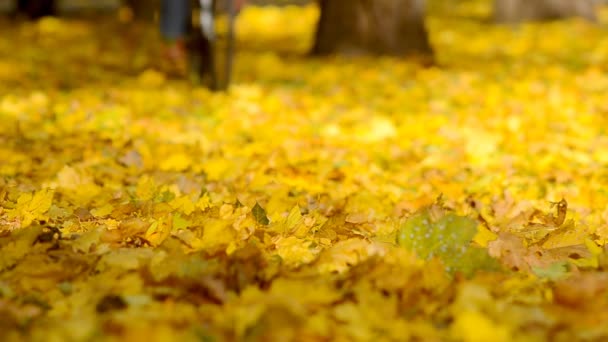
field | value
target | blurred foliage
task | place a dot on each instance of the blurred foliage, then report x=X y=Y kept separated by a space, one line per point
x=302 y=204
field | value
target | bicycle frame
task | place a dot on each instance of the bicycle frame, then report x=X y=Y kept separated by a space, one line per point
x=207 y=26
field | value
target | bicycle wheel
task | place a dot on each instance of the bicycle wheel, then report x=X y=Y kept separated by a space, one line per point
x=212 y=45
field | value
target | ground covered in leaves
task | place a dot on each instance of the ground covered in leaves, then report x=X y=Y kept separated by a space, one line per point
x=341 y=198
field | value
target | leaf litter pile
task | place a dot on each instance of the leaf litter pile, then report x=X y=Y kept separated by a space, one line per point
x=320 y=199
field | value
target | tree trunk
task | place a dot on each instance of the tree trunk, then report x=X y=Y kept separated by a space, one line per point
x=381 y=27
x=511 y=11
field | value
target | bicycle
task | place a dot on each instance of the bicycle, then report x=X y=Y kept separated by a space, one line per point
x=205 y=49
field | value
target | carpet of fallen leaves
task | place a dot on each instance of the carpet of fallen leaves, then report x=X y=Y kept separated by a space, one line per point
x=320 y=199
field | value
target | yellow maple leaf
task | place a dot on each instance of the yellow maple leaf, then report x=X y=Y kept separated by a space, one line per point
x=484 y=236
x=294 y=218
x=159 y=230
x=69 y=178
x=216 y=233
x=344 y=254
x=472 y=326
x=216 y=168
x=33 y=206
x=183 y=204
x=78 y=184
x=293 y=221
x=295 y=251
x=146 y=188
x=204 y=202
x=593 y=261
x=176 y=162
x=103 y=211
x=569 y=235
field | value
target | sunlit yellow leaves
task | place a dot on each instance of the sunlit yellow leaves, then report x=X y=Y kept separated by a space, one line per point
x=151 y=78
x=294 y=219
x=110 y=224
x=473 y=322
x=50 y=25
x=480 y=146
x=203 y=202
x=160 y=229
x=292 y=223
x=8 y=71
x=216 y=168
x=180 y=222
x=103 y=211
x=69 y=178
x=295 y=251
x=484 y=236
x=12 y=251
x=78 y=184
x=183 y=204
x=298 y=205
x=110 y=121
x=365 y=206
x=176 y=162
x=125 y=259
x=216 y=234
x=226 y=211
x=133 y=227
x=33 y=206
x=471 y=326
x=377 y=130
x=570 y=236
x=593 y=260
x=323 y=295
x=295 y=22
x=87 y=241
x=146 y=188
x=344 y=254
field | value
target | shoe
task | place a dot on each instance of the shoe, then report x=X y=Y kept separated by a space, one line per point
x=175 y=58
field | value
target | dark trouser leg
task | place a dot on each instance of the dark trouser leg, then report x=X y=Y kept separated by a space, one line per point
x=174 y=18
x=36 y=8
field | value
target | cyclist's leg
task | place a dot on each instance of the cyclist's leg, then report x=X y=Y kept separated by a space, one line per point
x=174 y=18
x=174 y=22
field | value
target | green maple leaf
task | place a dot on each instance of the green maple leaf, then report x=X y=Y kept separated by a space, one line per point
x=260 y=214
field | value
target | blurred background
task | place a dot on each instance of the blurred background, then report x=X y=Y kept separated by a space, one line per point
x=123 y=36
